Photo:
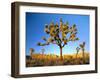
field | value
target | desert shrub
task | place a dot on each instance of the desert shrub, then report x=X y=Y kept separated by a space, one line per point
x=53 y=60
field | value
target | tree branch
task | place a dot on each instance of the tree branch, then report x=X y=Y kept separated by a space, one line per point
x=63 y=45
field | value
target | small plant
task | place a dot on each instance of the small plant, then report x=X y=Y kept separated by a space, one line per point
x=43 y=50
x=31 y=52
x=82 y=46
x=77 y=49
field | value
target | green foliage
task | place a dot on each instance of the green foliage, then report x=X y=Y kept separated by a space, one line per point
x=58 y=34
x=82 y=45
x=77 y=49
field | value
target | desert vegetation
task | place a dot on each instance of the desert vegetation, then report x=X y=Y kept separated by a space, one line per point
x=54 y=60
x=59 y=35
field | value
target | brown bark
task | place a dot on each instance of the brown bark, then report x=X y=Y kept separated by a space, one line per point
x=76 y=55
x=83 y=56
x=61 y=57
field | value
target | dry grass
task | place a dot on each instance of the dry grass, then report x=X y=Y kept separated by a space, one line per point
x=54 y=60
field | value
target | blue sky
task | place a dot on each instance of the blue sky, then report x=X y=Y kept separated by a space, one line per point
x=35 y=24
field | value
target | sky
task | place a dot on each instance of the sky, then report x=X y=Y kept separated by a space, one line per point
x=35 y=24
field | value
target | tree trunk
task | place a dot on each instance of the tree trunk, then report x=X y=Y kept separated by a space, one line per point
x=76 y=55
x=61 y=57
x=83 y=56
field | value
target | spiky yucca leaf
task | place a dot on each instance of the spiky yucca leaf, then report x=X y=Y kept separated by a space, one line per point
x=77 y=49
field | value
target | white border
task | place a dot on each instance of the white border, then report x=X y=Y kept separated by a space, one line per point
x=53 y=69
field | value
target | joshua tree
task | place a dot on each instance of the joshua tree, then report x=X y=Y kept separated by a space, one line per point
x=82 y=46
x=31 y=52
x=77 y=49
x=43 y=50
x=59 y=35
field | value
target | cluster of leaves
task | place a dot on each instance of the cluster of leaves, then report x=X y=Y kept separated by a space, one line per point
x=77 y=49
x=82 y=46
x=58 y=34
